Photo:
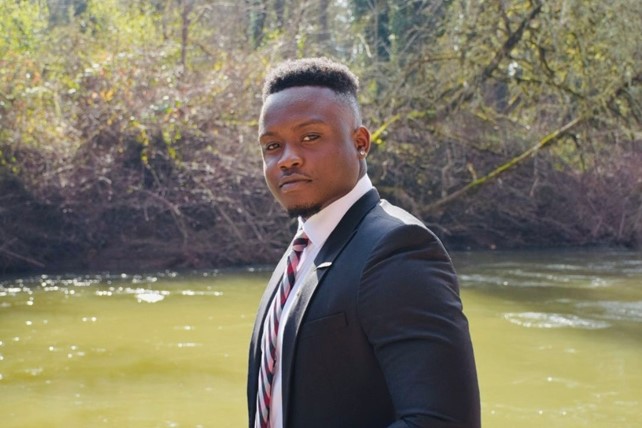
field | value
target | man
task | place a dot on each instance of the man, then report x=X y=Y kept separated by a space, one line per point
x=361 y=324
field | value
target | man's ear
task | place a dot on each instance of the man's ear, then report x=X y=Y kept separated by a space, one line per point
x=362 y=141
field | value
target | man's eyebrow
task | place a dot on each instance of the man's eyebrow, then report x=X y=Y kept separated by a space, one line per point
x=309 y=122
x=267 y=134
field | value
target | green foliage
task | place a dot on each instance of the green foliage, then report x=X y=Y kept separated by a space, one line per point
x=147 y=110
x=22 y=27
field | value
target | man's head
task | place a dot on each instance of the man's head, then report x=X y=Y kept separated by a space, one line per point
x=310 y=133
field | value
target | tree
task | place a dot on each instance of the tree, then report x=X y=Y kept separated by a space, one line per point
x=128 y=128
x=60 y=11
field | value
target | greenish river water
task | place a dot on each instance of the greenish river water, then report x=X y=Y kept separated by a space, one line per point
x=558 y=341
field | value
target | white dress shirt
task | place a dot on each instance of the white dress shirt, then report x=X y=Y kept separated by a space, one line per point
x=318 y=228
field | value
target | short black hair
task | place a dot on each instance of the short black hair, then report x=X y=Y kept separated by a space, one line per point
x=312 y=72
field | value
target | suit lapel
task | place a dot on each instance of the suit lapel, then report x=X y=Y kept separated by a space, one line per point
x=337 y=240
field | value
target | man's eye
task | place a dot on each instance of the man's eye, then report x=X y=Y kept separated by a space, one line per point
x=310 y=137
x=270 y=146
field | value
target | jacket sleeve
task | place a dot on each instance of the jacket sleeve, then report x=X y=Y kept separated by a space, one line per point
x=410 y=310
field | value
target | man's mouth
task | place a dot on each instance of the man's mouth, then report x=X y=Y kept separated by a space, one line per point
x=291 y=182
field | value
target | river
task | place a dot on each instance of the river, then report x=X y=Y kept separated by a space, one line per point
x=557 y=335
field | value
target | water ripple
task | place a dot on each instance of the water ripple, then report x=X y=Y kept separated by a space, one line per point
x=553 y=320
x=615 y=310
x=149 y=296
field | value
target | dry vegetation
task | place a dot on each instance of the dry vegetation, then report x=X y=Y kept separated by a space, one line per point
x=127 y=137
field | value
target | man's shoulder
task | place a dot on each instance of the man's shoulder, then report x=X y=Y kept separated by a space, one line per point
x=389 y=216
x=399 y=214
x=387 y=223
x=377 y=220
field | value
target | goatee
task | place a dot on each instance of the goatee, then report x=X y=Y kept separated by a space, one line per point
x=304 y=211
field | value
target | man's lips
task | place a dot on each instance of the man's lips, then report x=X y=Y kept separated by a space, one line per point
x=292 y=181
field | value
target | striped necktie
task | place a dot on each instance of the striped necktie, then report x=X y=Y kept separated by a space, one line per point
x=271 y=329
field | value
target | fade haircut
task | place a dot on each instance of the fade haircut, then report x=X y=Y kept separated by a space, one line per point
x=315 y=72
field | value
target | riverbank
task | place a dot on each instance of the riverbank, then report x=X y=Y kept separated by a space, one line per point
x=122 y=221
x=107 y=210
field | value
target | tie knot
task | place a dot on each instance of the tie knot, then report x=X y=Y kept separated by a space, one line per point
x=300 y=241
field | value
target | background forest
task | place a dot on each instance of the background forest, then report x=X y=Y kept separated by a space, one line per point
x=128 y=127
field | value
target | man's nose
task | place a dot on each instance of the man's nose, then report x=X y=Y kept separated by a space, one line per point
x=290 y=157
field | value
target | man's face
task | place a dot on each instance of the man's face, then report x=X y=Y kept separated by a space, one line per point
x=311 y=144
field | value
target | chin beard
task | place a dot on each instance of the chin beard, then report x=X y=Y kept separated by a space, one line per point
x=304 y=211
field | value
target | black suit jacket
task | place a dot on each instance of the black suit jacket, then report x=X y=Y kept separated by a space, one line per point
x=378 y=337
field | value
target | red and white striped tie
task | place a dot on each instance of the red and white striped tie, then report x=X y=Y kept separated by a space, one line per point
x=271 y=329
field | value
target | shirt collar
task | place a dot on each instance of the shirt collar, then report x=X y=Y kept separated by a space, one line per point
x=320 y=225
